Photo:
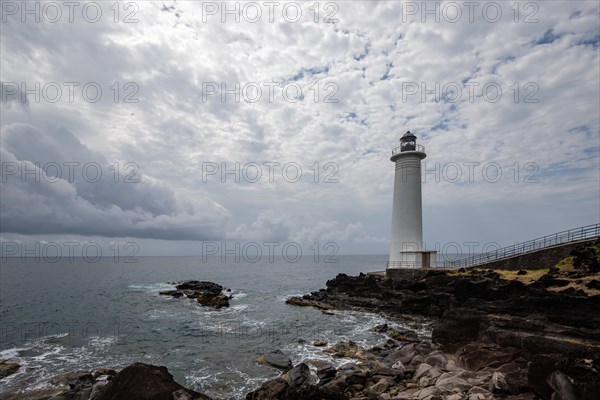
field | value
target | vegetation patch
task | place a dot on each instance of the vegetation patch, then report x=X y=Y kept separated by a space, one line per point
x=566 y=264
x=531 y=275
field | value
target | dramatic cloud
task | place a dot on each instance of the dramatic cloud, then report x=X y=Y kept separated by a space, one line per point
x=504 y=95
x=53 y=184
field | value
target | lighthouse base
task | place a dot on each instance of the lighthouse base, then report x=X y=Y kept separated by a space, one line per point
x=414 y=260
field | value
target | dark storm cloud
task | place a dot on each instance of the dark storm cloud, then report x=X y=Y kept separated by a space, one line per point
x=52 y=183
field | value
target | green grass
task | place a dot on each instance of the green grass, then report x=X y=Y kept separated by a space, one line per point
x=596 y=249
x=566 y=264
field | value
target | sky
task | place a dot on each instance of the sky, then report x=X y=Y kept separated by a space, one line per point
x=182 y=127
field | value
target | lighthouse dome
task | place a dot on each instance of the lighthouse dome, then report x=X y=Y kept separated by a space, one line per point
x=408 y=135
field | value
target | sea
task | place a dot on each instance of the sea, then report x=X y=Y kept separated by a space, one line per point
x=75 y=314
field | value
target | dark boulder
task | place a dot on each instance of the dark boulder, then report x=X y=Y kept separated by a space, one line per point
x=271 y=390
x=146 y=382
x=552 y=281
x=326 y=374
x=357 y=378
x=593 y=284
x=295 y=386
x=276 y=359
x=335 y=389
x=299 y=377
x=7 y=369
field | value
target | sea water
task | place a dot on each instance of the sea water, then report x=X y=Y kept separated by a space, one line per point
x=75 y=314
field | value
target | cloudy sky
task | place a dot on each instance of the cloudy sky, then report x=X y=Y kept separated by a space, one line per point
x=173 y=123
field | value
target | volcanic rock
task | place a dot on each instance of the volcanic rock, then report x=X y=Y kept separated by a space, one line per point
x=206 y=293
x=146 y=382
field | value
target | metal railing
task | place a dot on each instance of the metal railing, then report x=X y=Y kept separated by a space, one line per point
x=418 y=147
x=572 y=235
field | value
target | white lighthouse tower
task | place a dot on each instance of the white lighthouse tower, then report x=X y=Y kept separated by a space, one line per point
x=406 y=247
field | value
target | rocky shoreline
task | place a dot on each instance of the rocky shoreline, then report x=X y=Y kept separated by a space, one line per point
x=496 y=335
x=503 y=334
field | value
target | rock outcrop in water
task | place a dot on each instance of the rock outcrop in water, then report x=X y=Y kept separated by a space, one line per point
x=276 y=359
x=208 y=294
x=534 y=333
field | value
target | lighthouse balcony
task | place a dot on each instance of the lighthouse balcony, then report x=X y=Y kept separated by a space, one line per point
x=408 y=147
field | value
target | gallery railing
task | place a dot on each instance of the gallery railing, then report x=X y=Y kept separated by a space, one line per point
x=418 y=147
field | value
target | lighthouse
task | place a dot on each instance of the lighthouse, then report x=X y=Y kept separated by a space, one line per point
x=406 y=247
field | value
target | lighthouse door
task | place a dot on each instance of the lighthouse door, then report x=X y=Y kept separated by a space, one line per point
x=426 y=259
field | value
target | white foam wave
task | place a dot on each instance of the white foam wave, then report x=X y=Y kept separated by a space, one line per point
x=10 y=354
x=49 y=356
x=238 y=295
x=239 y=307
x=150 y=287
x=284 y=297
x=102 y=342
